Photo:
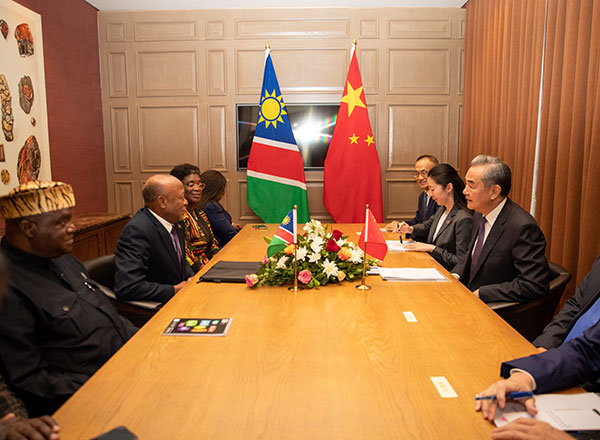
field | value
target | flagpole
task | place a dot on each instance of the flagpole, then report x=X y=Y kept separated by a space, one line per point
x=294 y=288
x=362 y=285
x=354 y=44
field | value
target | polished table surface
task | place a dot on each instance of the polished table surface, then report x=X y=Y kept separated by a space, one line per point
x=333 y=362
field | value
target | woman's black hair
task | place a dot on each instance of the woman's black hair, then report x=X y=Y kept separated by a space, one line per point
x=184 y=170
x=443 y=174
x=215 y=187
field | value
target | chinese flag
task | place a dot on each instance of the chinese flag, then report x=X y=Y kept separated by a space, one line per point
x=352 y=171
x=376 y=245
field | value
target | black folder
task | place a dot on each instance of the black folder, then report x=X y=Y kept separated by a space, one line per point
x=230 y=271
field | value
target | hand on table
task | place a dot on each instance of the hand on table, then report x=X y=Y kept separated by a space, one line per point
x=529 y=429
x=391 y=227
x=404 y=228
x=181 y=285
x=419 y=247
x=18 y=428
x=518 y=381
x=237 y=226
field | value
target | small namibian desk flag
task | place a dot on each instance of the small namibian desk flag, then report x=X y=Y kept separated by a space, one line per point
x=286 y=234
x=275 y=168
x=352 y=170
x=371 y=235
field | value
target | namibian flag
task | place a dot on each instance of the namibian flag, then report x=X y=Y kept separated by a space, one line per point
x=286 y=234
x=275 y=168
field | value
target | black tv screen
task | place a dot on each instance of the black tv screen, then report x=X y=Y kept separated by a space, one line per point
x=312 y=125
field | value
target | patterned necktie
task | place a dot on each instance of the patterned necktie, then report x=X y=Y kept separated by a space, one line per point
x=479 y=245
x=176 y=244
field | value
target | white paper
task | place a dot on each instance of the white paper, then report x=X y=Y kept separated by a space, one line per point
x=397 y=246
x=411 y=274
x=567 y=412
x=443 y=387
x=409 y=316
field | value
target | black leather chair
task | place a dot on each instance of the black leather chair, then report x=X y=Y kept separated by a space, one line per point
x=102 y=270
x=530 y=318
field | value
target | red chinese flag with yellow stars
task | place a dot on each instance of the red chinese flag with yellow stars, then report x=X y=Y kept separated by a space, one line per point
x=352 y=170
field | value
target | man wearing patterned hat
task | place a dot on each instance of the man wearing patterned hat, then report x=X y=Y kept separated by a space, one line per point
x=56 y=327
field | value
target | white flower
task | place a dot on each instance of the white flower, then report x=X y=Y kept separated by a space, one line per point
x=356 y=256
x=317 y=245
x=329 y=268
x=341 y=242
x=301 y=253
x=314 y=257
x=282 y=261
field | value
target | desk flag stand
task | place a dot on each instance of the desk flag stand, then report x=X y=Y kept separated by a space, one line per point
x=362 y=285
x=295 y=288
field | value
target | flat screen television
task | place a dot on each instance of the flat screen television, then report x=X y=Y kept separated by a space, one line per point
x=312 y=125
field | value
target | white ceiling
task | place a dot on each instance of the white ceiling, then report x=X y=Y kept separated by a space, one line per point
x=153 y=5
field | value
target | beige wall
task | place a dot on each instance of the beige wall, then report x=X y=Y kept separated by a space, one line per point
x=171 y=80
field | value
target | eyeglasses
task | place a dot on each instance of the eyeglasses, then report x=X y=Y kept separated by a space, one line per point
x=422 y=173
x=192 y=185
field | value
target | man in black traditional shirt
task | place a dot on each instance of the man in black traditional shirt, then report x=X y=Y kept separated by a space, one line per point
x=56 y=327
x=14 y=422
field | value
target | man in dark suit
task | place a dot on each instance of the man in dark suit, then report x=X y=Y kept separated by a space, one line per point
x=150 y=254
x=426 y=205
x=505 y=261
x=579 y=312
x=571 y=364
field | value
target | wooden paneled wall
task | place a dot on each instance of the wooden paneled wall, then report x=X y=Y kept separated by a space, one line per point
x=171 y=81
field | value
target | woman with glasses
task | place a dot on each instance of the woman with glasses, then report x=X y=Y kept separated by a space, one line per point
x=447 y=233
x=219 y=218
x=200 y=243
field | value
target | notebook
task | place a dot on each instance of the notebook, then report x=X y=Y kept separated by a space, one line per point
x=230 y=271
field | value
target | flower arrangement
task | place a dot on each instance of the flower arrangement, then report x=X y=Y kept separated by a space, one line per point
x=323 y=257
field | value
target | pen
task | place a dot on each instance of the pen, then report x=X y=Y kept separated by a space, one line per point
x=515 y=395
x=400 y=234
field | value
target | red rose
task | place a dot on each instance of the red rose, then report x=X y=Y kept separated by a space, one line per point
x=332 y=246
x=336 y=234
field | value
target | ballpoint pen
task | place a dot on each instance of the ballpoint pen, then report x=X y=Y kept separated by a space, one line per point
x=513 y=395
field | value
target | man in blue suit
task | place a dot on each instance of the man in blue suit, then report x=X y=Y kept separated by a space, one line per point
x=571 y=364
x=427 y=206
x=580 y=312
x=150 y=253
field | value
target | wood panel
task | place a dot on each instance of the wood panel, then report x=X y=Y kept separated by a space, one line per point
x=117 y=74
x=168 y=136
x=166 y=73
x=171 y=81
x=121 y=143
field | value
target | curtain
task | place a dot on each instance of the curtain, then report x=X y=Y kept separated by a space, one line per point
x=503 y=59
x=568 y=202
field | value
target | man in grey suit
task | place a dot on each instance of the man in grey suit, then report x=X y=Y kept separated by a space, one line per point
x=505 y=261
x=150 y=254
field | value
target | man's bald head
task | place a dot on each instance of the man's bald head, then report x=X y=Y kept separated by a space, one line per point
x=164 y=195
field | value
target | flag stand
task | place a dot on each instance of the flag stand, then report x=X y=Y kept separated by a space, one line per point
x=295 y=288
x=362 y=285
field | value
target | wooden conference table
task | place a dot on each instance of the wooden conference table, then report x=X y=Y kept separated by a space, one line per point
x=333 y=362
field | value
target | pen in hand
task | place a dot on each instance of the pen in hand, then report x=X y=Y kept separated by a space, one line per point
x=514 y=395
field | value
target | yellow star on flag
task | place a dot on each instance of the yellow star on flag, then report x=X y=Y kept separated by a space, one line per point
x=352 y=98
x=369 y=140
x=353 y=139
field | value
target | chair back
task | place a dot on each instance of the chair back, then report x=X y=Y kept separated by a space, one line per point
x=530 y=318
x=102 y=270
